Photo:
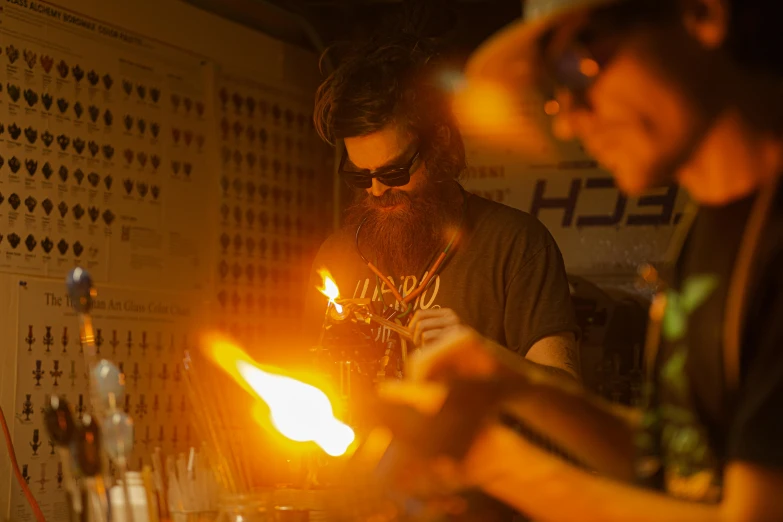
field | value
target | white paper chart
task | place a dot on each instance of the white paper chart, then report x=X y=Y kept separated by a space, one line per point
x=103 y=140
x=273 y=209
x=158 y=172
x=144 y=333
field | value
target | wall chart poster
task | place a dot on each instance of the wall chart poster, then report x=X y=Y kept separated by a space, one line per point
x=103 y=140
x=274 y=208
x=144 y=333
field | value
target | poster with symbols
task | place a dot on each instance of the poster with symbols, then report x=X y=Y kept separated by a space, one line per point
x=144 y=333
x=275 y=207
x=158 y=172
x=103 y=151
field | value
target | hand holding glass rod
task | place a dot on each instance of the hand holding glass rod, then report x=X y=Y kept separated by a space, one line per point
x=361 y=311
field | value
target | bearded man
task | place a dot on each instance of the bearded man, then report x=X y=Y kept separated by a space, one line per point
x=500 y=271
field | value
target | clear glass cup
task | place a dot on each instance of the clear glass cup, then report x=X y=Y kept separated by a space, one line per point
x=278 y=505
x=194 y=516
x=245 y=508
x=290 y=514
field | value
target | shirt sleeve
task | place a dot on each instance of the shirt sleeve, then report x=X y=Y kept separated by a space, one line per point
x=539 y=300
x=756 y=430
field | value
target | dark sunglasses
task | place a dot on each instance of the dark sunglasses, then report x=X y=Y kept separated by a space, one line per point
x=389 y=176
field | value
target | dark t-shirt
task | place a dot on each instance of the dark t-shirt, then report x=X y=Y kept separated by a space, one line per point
x=694 y=426
x=506 y=277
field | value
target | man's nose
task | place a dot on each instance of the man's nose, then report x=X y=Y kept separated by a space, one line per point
x=567 y=110
x=378 y=188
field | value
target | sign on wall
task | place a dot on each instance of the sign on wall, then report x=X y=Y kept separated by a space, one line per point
x=157 y=170
x=144 y=333
x=600 y=231
x=104 y=151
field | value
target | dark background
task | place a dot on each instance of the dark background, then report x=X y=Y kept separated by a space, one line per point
x=463 y=24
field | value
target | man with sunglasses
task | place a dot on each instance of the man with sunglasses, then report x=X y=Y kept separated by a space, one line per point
x=427 y=253
x=658 y=91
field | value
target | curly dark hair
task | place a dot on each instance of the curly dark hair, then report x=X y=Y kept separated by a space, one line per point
x=392 y=79
x=755 y=39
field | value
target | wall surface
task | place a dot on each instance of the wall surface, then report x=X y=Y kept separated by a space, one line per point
x=603 y=234
x=513 y=158
x=169 y=152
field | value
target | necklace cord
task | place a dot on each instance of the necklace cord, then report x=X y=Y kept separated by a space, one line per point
x=428 y=277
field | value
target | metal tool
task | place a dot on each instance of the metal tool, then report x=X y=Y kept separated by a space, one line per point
x=360 y=312
x=118 y=435
x=394 y=327
x=118 y=443
x=86 y=449
x=107 y=384
x=62 y=429
x=81 y=293
x=349 y=343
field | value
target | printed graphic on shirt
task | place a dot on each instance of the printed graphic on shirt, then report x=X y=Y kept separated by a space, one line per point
x=368 y=288
x=678 y=441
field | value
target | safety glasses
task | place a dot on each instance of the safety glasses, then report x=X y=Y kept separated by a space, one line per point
x=575 y=65
x=390 y=176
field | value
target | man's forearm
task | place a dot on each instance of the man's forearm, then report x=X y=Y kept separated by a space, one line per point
x=555 y=371
x=563 y=493
x=558 y=354
x=595 y=432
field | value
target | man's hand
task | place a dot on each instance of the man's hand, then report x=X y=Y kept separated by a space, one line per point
x=429 y=325
x=597 y=433
x=459 y=351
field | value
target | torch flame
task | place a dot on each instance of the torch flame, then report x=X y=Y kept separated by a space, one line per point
x=330 y=289
x=299 y=411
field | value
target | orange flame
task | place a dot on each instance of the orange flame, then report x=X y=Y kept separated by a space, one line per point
x=299 y=411
x=495 y=116
x=330 y=289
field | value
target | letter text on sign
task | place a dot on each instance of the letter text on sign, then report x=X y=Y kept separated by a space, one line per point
x=568 y=203
x=604 y=221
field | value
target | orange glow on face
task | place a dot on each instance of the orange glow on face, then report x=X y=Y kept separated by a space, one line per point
x=329 y=288
x=485 y=108
x=552 y=108
x=501 y=118
x=589 y=67
x=299 y=411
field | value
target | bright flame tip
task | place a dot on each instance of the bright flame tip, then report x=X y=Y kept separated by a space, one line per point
x=330 y=288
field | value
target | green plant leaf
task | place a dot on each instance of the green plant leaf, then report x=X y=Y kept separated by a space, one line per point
x=696 y=290
x=675 y=318
x=673 y=371
x=644 y=440
x=649 y=419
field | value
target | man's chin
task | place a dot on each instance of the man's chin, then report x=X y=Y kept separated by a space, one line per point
x=634 y=181
x=632 y=186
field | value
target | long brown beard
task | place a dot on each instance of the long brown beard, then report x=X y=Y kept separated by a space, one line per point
x=402 y=241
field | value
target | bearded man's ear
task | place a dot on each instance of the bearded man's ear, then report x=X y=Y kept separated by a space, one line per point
x=443 y=135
